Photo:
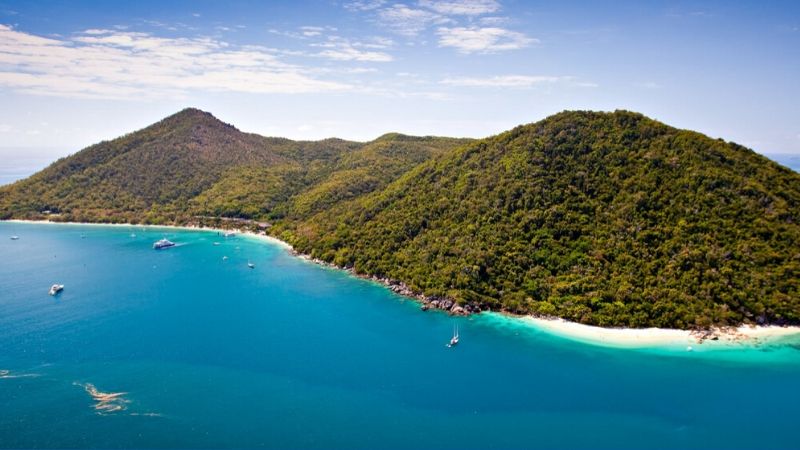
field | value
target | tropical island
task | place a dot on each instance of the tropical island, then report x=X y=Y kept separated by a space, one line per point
x=606 y=219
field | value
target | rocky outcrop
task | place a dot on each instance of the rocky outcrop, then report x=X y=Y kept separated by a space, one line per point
x=398 y=287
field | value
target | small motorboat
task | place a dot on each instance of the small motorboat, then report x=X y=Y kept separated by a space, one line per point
x=228 y=234
x=251 y=265
x=14 y=238
x=224 y=258
x=216 y=243
x=454 y=339
x=163 y=243
x=56 y=288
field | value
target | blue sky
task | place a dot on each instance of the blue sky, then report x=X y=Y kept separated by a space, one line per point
x=74 y=73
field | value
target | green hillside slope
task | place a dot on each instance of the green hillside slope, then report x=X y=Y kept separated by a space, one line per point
x=607 y=219
x=191 y=164
x=610 y=219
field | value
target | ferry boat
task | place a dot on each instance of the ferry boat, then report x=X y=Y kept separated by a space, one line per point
x=56 y=288
x=163 y=243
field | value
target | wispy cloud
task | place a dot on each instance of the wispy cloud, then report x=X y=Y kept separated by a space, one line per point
x=409 y=21
x=312 y=31
x=504 y=81
x=133 y=65
x=461 y=7
x=647 y=85
x=483 y=40
x=340 y=49
x=364 y=5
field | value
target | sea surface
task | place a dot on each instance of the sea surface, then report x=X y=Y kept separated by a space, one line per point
x=180 y=348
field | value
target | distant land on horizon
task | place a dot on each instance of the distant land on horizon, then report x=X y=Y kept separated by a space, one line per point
x=609 y=219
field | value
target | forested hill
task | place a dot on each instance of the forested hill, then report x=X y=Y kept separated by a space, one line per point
x=192 y=164
x=611 y=219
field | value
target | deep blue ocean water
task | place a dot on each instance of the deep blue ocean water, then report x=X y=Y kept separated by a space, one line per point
x=210 y=353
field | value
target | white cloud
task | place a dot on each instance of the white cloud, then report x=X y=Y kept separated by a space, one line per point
x=483 y=40
x=517 y=81
x=494 y=21
x=310 y=31
x=504 y=81
x=341 y=49
x=5 y=128
x=364 y=5
x=409 y=21
x=648 y=85
x=349 y=53
x=131 y=65
x=461 y=7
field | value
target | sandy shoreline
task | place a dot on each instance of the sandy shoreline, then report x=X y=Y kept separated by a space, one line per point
x=611 y=337
x=661 y=337
x=264 y=237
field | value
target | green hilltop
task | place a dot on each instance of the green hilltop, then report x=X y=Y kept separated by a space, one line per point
x=611 y=219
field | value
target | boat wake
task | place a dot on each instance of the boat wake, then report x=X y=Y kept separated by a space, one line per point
x=4 y=374
x=105 y=402
x=148 y=414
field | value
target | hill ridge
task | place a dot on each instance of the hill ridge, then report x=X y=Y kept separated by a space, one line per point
x=604 y=218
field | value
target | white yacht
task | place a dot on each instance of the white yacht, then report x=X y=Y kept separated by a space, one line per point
x=56 y=288
x=454 y=339
x=163 y=243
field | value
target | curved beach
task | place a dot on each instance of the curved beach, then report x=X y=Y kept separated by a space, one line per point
x=729 y=338
x=662 y=337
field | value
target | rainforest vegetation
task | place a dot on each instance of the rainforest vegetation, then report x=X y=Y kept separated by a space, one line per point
x=611 y=219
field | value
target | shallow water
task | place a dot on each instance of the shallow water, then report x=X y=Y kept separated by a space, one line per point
x=206 y=352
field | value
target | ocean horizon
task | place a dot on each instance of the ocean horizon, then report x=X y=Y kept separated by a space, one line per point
x=182 y=348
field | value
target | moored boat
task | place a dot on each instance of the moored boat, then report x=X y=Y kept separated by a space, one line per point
x=56 y=288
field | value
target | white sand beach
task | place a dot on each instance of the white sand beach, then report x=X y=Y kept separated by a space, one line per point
x=609 y=337
x=660 y=337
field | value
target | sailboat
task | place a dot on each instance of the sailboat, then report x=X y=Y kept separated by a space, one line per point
x=454 y=339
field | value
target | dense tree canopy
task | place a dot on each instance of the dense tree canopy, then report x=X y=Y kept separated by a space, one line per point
x=610 y=219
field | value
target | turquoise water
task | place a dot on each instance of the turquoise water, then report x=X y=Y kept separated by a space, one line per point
x=209 y=353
